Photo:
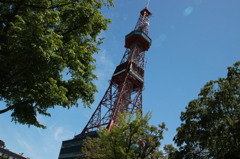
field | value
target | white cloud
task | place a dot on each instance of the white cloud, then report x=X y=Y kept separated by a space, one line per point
x=32 y=147
x=172 y=27
x=61 y=134
x=198 y=2
x=162 y=37
x=105 y=68
x=28 y=149
x=103 y=59
x=25 y=144
x=58 y=134
x=53 y=138
x=188 y=11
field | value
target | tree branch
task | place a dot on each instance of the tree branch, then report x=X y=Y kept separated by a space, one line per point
x=14 y=106
x=7 y=109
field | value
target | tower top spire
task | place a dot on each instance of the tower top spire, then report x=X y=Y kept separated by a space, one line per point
x=148 y=1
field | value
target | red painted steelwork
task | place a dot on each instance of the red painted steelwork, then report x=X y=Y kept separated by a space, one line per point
x=124 y=93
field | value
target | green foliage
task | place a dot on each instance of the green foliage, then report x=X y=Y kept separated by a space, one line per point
x=211 y=124
x=40 y=42
x=134 y=138
x=170 y=151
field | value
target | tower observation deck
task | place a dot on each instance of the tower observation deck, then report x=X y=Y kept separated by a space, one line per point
x=124 y=93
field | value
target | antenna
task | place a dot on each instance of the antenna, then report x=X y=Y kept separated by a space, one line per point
x=147 y=3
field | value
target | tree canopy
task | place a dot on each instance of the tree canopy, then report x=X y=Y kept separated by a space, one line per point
x=46 y=54
x=211 y=123
x=133 y=138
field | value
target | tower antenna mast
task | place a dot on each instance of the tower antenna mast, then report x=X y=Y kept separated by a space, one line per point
x=148 y=4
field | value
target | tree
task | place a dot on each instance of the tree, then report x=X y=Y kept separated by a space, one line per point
x=211 y=123
x=46 y=54
x=133 y=138
x=170 y=151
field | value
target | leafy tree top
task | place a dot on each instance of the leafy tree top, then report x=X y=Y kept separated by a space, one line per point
x=211 y=122
x=133 y=138
x=40 y=41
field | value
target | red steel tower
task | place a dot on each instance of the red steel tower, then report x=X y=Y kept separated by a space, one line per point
x=124 y=93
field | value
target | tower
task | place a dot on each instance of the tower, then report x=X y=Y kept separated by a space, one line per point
x=124 y=93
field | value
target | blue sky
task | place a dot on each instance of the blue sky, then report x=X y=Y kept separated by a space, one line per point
x=194 y=41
